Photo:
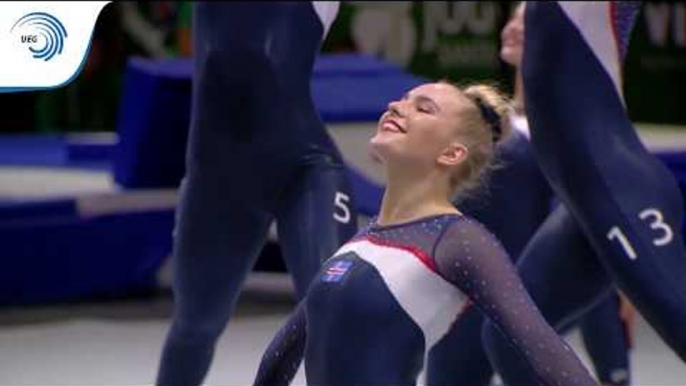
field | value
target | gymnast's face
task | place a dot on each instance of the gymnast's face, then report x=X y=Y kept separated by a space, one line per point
x=422 y=128
x=512 y=38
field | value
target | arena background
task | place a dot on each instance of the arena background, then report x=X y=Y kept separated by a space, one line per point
x=88 y=182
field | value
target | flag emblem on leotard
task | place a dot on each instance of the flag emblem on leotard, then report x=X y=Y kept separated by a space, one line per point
x=336 y=271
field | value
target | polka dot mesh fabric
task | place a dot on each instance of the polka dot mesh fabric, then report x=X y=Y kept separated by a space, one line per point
x=282 y=358
x=464 y=253
x=470 y=257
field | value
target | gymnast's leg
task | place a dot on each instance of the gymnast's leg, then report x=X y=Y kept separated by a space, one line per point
x=625 y=200
x=216 y=244
x=318 y=215
x=240 y=158
x=606 y=339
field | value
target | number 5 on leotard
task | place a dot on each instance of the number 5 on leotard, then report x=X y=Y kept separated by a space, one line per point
x=657 y=224
x=341 y=203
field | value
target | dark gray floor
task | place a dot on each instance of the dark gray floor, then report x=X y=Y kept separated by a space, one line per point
x=118 y=342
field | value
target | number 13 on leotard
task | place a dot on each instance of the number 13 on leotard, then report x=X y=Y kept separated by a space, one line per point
x=656 y=224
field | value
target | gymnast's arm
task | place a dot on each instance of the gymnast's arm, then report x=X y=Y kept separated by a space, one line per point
x=471 y=258
x=282 y=358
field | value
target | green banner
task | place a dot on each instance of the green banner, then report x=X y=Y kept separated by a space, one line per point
x=457 y=40
x=655 y=70
x=460 y=40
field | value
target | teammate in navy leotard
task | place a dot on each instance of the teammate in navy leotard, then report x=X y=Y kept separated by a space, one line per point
x=386 y=297
x=517 y=189
x=620 y=197
x=258 y=152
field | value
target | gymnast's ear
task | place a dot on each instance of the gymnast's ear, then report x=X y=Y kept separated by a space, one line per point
x=453 y=155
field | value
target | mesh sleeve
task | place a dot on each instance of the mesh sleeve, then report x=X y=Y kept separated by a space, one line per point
x=471 y=258
x=282 y=358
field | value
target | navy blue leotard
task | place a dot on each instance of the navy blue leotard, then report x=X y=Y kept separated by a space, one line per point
x=386 y=297
x=258 y=152
x=620 y=197
x=513 y=205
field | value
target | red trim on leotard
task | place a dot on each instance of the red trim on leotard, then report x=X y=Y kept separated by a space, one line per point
x=420 y=254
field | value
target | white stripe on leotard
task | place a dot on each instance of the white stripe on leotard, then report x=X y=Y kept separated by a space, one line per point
x=593 y=20
x=327 y=11
x=431 y=302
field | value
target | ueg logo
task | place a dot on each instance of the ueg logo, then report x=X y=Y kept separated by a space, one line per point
x=42 y=33
x=44 y=44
